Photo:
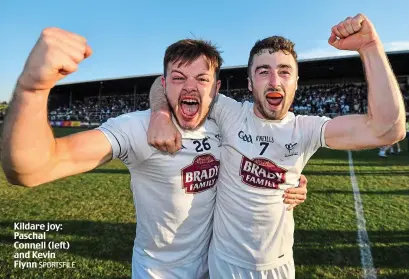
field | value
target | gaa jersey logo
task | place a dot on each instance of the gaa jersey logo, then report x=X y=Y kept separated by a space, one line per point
x=261 y=173
x=201 y=175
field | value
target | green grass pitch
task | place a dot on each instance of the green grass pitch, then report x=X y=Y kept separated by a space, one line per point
x=98 y=219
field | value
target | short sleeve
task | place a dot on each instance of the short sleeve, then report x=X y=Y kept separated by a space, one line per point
x=313 y=133
x=226 y=111
x=127 y=135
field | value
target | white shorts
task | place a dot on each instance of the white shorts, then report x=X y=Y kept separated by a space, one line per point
x=197 y=269
x=219 y=269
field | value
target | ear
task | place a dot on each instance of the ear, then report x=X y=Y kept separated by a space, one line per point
x=250 y=84
x=296 y=85
x=163 y=81
x=218 y=84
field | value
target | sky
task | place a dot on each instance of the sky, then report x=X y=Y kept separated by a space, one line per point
x=129 y=37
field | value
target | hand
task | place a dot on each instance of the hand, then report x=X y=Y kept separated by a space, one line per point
x=355 y=33
x=296 y=196
x=162 y=133
x=56 y=54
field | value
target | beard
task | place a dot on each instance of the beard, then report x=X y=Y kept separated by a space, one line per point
x=267 y=114
x=262 y=105
x=201 y=120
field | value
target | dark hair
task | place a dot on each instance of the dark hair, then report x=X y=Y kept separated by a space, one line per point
x=188 y=50
x=274 y=44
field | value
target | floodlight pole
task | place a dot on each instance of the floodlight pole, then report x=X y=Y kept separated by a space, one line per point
x=134 y=97
x=99 y=96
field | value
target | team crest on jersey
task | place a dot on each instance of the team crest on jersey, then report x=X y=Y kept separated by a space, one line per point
x=201 y=175
x=261 y=173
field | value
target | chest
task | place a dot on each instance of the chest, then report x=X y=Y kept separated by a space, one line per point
x=194 y=169
x=264 y=156
x=283 y=144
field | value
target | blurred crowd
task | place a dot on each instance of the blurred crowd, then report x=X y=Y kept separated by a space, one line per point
x=93 y=109
x=325 y=99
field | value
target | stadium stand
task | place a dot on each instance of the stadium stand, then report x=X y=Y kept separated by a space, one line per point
x=328 y=86
x=323 y=99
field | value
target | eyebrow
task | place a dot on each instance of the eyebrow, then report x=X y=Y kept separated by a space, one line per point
x=264 y=66
x=199 y=75
x=176 y=71
x=279 y=66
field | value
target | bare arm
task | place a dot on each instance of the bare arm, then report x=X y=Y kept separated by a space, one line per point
x=162 y=133
x=30 y=153
x=385 y=120
x=157 y=98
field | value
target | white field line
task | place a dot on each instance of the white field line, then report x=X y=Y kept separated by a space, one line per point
x=363 y=240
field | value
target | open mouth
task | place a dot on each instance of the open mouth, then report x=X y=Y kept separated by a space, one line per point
x=274 y=98
x=189 y=106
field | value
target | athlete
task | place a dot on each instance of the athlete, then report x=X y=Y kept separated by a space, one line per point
x=173 y=195
x=265 y=147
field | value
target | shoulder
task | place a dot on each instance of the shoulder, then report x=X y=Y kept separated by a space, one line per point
x=311 y=119
x=210 y=125
x=131 y=121
x=132 y=117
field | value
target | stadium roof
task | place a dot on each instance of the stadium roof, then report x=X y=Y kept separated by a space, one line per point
x=300 y=61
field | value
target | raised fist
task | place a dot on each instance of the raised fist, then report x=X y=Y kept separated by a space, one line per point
x=354 y=33
x=56 y=54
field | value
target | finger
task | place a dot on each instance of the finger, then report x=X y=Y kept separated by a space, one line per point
x=296 y=197
x=291 y=207
x=70 y=41
x=293 y=201
x=296 y=191
x=348 y=25
x=334 y=41
x=75 y=40
x=356 y=25
x=336 y=32
x=360 y=17
x=303 y=181
x=65 y=33
x=154 y=145
x=357 y=22
x=162 y=145
x=77 y=55
x=68 y=65
x=88 y=51
x=341 y=29
x=171 y=146
x=178 y=140
x=152 y=140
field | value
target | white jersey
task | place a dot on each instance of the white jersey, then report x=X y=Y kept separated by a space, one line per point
x=260 y=159
x=174 y=195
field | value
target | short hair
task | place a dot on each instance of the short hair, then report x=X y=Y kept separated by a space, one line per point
x=188 y=50
x=275 y=44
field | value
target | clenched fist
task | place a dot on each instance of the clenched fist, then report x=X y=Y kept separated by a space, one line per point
x=354 y=33
x=56 y=54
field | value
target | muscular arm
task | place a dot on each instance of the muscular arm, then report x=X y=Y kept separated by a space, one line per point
x=162 y=133
x=157 y=98
x=384 y=122
x=32 y=156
